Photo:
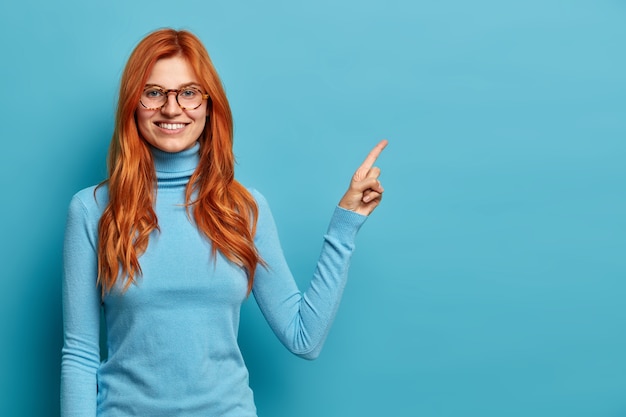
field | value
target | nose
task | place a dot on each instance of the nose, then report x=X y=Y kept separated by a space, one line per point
x=171 y=107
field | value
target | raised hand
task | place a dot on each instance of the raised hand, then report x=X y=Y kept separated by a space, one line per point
x=365 y=191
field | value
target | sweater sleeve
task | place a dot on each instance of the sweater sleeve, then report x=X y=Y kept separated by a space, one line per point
x=302 y=321
x=81 y=315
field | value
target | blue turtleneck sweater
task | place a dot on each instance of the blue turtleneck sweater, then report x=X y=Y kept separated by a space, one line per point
x=172 y=337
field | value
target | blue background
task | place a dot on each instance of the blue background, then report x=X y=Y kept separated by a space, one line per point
x=491 y=281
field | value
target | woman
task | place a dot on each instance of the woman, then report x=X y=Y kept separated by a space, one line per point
x=170 y=245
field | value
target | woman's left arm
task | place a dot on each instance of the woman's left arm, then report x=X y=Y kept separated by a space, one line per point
x=302 y=320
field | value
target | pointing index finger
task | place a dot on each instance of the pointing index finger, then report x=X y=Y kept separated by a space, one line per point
x=373 y=155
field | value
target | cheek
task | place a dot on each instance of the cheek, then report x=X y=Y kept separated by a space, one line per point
x=201 y=120
x=143 y=122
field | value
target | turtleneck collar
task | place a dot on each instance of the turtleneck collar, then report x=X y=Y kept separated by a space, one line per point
x=174 y=169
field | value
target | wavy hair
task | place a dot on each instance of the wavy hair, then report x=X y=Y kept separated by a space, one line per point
x=224 y=211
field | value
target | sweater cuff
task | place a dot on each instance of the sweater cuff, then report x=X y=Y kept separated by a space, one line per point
x=345 y=223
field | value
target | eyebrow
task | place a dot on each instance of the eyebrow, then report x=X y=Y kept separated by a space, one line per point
x=191 y=84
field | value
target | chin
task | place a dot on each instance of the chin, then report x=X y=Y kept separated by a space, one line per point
x=172 y=146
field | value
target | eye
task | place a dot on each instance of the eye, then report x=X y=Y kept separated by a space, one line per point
x=188 y=93
x=153 y=93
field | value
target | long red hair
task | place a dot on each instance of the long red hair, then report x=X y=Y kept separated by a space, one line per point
x=224 y=211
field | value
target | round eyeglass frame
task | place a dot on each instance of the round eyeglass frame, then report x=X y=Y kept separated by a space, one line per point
x=166 y=93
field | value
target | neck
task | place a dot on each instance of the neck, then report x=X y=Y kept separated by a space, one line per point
x=175 y=168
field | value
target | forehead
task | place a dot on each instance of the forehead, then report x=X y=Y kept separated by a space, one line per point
x=172 y=72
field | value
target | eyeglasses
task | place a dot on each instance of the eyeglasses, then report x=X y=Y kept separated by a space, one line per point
x=188 y=98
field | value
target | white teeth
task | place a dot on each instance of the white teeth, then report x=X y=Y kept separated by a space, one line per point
x=171 y=126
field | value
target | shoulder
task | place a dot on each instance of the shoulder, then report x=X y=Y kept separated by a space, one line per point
x=265 y=221
x=90 y=201
x=83 y=216
x=258 y=198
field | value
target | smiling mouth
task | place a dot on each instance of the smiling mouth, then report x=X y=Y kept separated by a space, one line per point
x=171 y=126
